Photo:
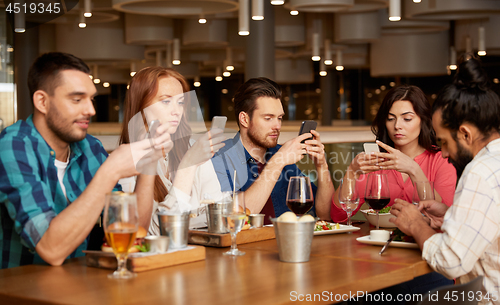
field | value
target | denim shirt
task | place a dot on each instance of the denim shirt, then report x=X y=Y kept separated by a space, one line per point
x=233 y=156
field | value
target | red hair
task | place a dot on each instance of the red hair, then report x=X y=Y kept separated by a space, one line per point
x=143 y=88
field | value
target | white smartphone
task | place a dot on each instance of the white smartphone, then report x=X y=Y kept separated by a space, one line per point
x=219 y=122
x=371 y=147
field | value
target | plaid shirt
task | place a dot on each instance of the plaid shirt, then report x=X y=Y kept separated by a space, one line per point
x=30 y=193
x=470 y=243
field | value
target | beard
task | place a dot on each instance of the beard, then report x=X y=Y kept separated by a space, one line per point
x=463 y=158
x=260 y=140
x=61 y=127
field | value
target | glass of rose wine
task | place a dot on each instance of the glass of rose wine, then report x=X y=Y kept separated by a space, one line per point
x=299 y=197
x=377 y=192
x=121 y=223
x=234 y=218
x=348 y=197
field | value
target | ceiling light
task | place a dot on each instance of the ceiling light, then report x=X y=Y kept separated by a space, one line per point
x=328 y=53
x=417 y=1
x=453 y=58
x=340 y=64
x=277 y=2
x=82 y=23
x=87 y=5
x=105 y=84
x=202 y=20
x=257 y=9
x=97 y=80
x=315 y=47
x=133 y=68
x=243 y=19
x=481 y=47
x=394 y=10
x=322 y=69
x=229 y=59
x=20 y=22
x=176 y=54
x=197 y=82
x=95 y=73
x=226 y=74
x=218 y=74
x=294 y=12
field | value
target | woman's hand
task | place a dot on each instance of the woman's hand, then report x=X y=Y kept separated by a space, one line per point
x=364 y=163
x=204 y=148
x=394 y=159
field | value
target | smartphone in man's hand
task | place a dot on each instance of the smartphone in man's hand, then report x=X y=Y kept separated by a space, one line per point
x=306 y=127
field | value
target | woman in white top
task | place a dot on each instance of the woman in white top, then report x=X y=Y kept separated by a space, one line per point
x=183 y=175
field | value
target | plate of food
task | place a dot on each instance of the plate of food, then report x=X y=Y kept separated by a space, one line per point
x=324 y=228
x=401 y=240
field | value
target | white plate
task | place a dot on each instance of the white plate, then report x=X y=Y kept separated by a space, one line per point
x=396 y=244
x=341 y=229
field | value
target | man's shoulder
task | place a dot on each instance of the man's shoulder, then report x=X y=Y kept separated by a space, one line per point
x=19 y=132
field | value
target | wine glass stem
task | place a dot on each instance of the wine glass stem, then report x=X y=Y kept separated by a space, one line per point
x=122 y=262
x=349 y=223
x=377 y=220
x=233 y=242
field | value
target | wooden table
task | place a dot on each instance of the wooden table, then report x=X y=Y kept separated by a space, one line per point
x=338 y=265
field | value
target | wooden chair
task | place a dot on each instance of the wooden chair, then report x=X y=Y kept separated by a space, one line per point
x=456 y=294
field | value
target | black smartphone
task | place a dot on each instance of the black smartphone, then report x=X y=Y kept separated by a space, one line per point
x=306 y=127
x=153 y=125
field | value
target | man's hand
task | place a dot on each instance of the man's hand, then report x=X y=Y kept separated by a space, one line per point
x=316 y=150
x=407 y=216
x=435 y=211
x=292 y=151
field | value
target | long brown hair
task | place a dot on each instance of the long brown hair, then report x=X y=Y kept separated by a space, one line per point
x=422 y=107
x=142 y=90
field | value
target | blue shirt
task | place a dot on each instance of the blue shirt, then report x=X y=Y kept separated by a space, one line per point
x=30 y=193
x=233 y=156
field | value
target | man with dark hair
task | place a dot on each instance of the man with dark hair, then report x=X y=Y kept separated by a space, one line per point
x=53 y=175
x=263 y=167
x=466 y=119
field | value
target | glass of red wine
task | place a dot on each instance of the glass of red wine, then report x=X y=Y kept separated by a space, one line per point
x=299 y=197
x=377 y=192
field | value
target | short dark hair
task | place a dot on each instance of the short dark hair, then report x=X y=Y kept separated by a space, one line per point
x=469 y=99
x=246 y=95
x=422 y=107
x=44 y=73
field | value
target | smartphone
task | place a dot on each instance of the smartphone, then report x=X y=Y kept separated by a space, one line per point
x=306 y=127
x=219 y=122
x=153 y=125
x=371 y=147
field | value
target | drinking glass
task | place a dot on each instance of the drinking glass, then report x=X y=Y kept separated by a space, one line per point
x=422 y=190
x=299 y=197
x=377 y=192
x=348 y=197
x=121 y=223
x=234 y=219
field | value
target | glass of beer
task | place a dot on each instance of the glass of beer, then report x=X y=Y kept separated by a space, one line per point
x=121 y=223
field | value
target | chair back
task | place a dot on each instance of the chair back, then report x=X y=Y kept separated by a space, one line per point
x=456 y=294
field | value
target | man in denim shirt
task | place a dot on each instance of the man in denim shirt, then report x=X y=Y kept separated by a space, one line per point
x=263 y=167
x=53 y=175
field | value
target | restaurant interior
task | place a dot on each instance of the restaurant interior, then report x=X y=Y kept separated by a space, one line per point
x=334 y=59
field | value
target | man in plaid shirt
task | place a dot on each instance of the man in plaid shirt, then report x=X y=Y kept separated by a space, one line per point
x=53 y=175
x=467 y=122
